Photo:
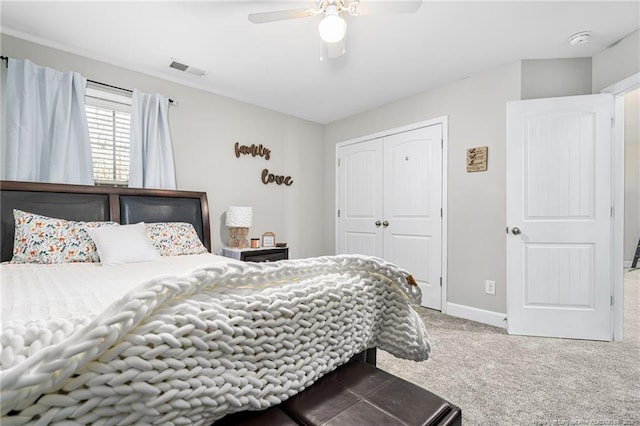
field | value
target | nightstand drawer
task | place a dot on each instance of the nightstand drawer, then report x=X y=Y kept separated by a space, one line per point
x=270 y=255
x=267 y=257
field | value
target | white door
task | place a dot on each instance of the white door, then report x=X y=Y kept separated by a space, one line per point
x=360 y=198
x=412 y=207
x=390 y=200
x=559 y=217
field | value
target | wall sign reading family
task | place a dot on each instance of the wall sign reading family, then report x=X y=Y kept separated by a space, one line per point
x=253 y=150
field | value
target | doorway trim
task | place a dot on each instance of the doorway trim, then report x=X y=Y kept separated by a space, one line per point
x=443 y=120
x=618 y=90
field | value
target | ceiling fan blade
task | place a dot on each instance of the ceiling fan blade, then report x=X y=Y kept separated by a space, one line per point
x=280 y=15
x=373 y=7
x=337 y=49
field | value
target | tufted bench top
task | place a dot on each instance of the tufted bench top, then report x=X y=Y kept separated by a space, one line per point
x=355 y=394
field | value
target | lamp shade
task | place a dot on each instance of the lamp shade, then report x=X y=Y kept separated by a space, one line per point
x=239 y=217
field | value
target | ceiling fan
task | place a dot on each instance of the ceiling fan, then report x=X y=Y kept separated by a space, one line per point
x=333 y=27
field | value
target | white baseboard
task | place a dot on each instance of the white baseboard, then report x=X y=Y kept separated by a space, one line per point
x=474 y=314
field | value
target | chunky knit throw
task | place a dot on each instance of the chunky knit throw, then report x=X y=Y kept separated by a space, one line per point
x=191 y=349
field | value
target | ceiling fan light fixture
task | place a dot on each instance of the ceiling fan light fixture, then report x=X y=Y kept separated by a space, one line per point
x=332 y=28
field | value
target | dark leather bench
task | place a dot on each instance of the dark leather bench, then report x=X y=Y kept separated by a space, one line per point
x=355 y=394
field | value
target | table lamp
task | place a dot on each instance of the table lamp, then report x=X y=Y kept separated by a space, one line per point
x=238 y=221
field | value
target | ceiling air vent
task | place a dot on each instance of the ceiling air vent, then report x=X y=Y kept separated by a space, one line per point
x=186 y=68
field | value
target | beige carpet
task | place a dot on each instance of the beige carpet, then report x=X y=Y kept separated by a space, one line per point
x=499 y=379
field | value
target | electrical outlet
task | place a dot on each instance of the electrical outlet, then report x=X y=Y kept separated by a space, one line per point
x=490 y=287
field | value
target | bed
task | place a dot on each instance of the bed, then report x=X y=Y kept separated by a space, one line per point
x=179 y=339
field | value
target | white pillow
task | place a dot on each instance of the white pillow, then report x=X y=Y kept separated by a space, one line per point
x=123 y=244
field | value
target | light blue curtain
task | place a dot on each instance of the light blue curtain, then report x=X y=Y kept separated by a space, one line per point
x=47 y=135
x=151 y=153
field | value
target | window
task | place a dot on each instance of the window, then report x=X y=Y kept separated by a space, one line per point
x=109 y=118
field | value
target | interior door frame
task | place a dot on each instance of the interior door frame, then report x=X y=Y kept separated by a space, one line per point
x=443 y=120
x=618 y=90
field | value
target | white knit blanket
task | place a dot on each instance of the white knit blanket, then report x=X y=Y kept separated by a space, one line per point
x=225 y=338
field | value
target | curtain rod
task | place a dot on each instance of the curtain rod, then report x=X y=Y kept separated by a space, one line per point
x=116 y=87
x=6 y=64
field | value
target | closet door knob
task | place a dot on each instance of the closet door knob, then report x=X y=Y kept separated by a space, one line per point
x=378 y=223
x=385 y=223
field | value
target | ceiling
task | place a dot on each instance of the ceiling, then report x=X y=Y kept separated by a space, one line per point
x=277 y=65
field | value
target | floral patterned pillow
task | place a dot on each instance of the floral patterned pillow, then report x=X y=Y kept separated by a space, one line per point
x=175 y=238
x=42 y=239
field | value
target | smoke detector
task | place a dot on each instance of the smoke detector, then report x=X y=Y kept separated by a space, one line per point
x=580 y=38
x=186 y=68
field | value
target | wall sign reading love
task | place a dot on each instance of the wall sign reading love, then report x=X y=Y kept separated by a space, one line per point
x=262 y=151
x=268 y=178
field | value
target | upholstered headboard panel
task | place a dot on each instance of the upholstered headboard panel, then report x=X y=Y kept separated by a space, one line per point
x=94 y=203
x=134 y=209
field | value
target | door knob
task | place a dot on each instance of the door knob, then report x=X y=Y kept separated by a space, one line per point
x=385 y=223
x=378 y=223
x=516 y=231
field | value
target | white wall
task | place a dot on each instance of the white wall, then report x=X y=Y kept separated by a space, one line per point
x=548 y=78
x=204 y=128
x=631 y=173
x=616 y=62
x=476 y=108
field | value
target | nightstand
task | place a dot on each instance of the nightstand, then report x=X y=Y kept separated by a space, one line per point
x=264 y=254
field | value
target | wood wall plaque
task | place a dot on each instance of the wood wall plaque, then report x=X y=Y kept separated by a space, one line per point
x=252 y=150
x=477 y=159
x=262 y=151
x=268 y=178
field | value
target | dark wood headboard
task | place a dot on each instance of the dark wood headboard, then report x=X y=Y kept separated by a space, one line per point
x=100 y=203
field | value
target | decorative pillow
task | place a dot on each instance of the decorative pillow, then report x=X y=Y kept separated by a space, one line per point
x=123 y=244
x=175 y=238
x=42 y=239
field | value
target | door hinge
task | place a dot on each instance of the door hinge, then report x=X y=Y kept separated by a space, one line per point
x=441 y=143
x=611 y=300
x=440 y=281
x=338 y=162
x=613 y=122
x=441 y=213
x=338 y=212
x=611 y=211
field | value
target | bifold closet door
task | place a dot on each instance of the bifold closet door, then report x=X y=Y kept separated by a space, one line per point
x=412 y=224
x=360 y=198
x=389 y=204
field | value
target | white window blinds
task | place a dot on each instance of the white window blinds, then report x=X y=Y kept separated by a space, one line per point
x=109 y=118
